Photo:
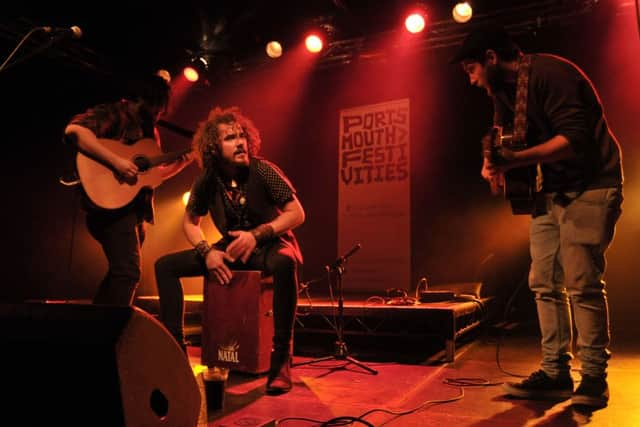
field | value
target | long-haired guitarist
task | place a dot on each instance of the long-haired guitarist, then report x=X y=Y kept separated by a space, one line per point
x=557 y=115
x=121 y=231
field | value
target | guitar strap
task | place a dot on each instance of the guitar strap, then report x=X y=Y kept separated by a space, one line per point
x=522 y=91
x=520 y=111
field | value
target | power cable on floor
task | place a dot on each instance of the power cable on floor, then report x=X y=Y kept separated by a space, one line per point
x=349 y=420
x=460 y=383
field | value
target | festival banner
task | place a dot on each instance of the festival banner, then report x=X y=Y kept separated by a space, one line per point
x=374 y=196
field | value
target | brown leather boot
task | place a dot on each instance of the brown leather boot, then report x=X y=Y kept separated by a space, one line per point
x=279 y=380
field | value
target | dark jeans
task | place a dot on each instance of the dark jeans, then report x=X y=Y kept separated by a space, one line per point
x=120 y=233
x=274 y=259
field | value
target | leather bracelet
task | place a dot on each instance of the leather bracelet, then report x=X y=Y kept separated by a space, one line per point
x=203 y=248
x=262 y=233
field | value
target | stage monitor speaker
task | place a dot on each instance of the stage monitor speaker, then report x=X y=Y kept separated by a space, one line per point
x=89 y=365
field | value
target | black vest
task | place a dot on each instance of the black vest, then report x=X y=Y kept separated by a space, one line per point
x=260 y=209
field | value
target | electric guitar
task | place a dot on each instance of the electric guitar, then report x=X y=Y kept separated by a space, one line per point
x=106 y=188
x=518 y=185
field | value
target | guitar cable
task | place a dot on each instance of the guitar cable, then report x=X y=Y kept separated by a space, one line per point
x=62 y=180
x=69 y=176
x=74 y=218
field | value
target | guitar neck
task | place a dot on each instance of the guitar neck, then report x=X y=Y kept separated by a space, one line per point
x=168 y=157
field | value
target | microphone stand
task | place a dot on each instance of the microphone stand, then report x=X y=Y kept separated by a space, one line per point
x=5 y=65
x=13 y=52
x=341 y=352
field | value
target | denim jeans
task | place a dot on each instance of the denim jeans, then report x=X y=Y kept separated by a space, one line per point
x=568 y=245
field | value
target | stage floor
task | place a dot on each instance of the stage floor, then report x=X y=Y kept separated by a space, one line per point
x=326 y=390
x=464 y=393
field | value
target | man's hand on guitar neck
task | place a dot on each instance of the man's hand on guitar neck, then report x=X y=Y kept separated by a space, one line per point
x=173 y=168
x=495 y=164
x=501 y=159
x=497 y=159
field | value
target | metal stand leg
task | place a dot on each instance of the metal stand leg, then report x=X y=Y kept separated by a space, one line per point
x=341 y=352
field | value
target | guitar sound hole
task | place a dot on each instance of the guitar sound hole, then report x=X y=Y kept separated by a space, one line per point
x=142 y=163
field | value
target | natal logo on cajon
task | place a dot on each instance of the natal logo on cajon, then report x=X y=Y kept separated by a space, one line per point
x=229 y=353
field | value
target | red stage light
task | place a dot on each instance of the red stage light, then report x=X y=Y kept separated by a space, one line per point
x=415 y=22
x=313 y=42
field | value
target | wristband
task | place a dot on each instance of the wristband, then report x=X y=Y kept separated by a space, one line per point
x=203 y=248
x=262 y=233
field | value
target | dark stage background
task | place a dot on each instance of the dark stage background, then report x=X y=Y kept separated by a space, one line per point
x=459 y=232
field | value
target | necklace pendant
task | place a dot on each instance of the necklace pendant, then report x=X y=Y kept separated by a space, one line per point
x=242 y=200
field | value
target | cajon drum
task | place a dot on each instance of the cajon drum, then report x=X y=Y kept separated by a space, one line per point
x=237 y=322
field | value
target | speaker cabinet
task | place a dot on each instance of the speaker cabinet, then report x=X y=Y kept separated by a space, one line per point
x=89 y=365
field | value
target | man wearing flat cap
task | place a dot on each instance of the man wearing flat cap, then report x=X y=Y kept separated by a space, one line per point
x=556 y=112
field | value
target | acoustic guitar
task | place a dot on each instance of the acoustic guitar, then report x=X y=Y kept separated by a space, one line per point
x=518 y=185
x=106 y=188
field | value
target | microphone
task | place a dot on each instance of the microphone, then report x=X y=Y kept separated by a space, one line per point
x=352 y=251
x=346 y=256
x=75 y=31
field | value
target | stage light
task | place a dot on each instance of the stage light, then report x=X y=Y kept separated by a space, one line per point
x=198 y=67
x=185 y=198
x=164 y=74
x=191 y=74
x=415 y=22
x=274 y=49
x=313 y=42
x=319 y=32
x=462 y=12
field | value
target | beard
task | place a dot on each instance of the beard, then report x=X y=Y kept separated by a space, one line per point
x=496 y=78
x=236 y=162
